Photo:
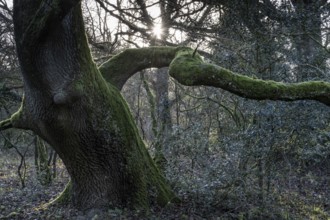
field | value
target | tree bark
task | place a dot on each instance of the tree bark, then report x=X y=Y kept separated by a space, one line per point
x=69 y=104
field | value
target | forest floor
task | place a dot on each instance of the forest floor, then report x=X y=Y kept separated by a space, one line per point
x=29 y=202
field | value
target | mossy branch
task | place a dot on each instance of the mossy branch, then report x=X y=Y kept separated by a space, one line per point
x=17 y=120
x=5 y=124
x=189 y=69
x=121 y=67
x=193 y=71
x=64 y=198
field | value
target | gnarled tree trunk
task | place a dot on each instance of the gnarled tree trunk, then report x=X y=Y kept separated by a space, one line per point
x=69 y=104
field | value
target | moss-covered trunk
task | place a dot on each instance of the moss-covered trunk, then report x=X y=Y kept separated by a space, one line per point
x=69 y=104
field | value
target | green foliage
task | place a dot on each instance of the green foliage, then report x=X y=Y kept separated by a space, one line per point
x=64 y=198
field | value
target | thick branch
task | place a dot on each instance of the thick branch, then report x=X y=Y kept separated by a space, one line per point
x=190 y=70
x=121 y=67
x=193 y=71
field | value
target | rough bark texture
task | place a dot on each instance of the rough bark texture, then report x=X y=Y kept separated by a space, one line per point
x=86 y=120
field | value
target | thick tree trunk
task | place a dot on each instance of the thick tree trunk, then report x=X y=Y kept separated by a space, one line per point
x=69 y=104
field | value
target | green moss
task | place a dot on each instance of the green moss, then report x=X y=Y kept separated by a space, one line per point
x=79 y=87
x=121 y=67
x=106 y=126
x=145 y=172
x=185 y=68
x=44 y=174
x=16 y=117
x=5 y=124
x=64 y=198
x=114 y=117
x=192 y=71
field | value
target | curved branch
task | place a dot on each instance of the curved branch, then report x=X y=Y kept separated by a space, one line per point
x=121 y=67
x=5 y=124
x=16 y=120
x=191 y=70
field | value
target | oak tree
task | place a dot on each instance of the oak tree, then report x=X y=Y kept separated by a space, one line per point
x=78 y=109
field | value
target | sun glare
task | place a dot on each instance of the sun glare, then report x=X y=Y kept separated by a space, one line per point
x=157 y=31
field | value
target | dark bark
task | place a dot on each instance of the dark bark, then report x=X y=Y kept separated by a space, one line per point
x=71 y=106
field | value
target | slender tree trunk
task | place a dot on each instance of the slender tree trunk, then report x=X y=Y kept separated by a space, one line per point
x=308 y=40
x=69 y=104
x=164 y=116
x=44 y=173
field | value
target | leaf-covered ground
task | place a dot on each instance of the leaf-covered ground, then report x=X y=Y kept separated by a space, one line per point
x=25 y=203
x=29 y=202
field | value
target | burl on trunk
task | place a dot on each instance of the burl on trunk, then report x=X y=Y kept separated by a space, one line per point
x=69 y=104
